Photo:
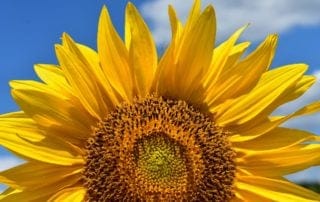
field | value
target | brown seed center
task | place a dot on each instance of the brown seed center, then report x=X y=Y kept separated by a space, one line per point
x=156 y=150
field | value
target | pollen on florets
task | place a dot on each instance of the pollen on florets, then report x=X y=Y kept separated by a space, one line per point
x=158 y=149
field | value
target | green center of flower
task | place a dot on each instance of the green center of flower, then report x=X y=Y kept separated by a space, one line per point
x=161 y=161
x=158 y=149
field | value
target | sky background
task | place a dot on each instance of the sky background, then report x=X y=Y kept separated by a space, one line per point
x=29 y=30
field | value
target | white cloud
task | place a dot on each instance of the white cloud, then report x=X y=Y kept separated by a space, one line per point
x=265 y=16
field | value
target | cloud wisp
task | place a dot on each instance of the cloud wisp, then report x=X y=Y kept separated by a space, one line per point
x=265 y=17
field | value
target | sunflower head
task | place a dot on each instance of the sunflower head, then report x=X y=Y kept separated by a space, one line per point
x=117 y=124
x=159 y=149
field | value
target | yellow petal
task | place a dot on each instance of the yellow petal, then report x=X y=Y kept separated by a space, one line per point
x=236 y=53
x=176 y=26
x=163 y=76
x=290 y=94
x=74 y=194
x=275 y=190
x=243 y=195
x=268 y=125
x=22 y=136
x=220 y=57
x=241 y=78
x=114 y=57
x=32 y=175
x=299 y=89
x=193 y=15
x=188 y=58
x=271 y=86
x=81 y=81
x=53 y=76
x=90 y=59
x=142 y=51
x=194 y=53
x=43 y=193
x=276 y=139
x=279 y=162
x=8 y=192
x=52 y=110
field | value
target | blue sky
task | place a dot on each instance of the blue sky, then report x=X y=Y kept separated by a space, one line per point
x=29 y=30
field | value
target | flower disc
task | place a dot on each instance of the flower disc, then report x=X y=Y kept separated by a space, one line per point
x=159 y=149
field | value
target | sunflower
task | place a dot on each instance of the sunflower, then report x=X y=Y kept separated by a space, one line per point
x=196 y=125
